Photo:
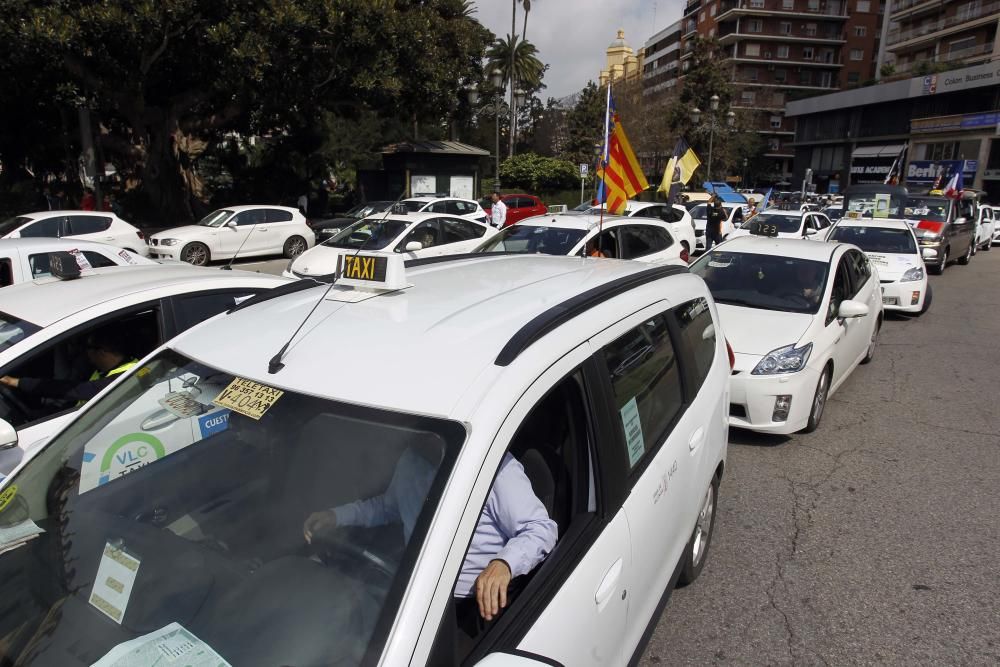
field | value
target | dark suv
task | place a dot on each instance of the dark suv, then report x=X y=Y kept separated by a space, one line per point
x=944 y=227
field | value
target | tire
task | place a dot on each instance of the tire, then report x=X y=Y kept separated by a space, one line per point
x=988 y=245
x=819 y=401
x=696 y=550
x=927 y=301
x=196 y=253
x=872 y=343
x=294 y=246
x=970 y=251
x=938 y=269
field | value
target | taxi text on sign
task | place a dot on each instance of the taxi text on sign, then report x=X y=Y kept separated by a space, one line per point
x=248 y=398
x=364 y=267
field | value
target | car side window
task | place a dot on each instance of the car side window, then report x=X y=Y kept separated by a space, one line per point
x=6 y=272
x=841 y=290
x=642 y=240
x=646 y=381
x=859 y=270
x=192 y=309
x=607 y=243
x=426 y=233
x=88 y=224
x=698 y=337
x=252 y=217
x=48 y=228
x=438 y=207
x=455 y=230
x=277 y=215
x=97 y=260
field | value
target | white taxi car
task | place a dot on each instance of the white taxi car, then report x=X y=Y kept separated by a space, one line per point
x=594 y=392
x=28 y=258
x=811 y=225
x=986 y=227
x=681 y=227
x=892 y=247
x=800 y=316
x=733 y=221
x=244 y=231
x=412 y=235
x=96 y=226
x=463 y=208
x=642 y=239
x=45 y=325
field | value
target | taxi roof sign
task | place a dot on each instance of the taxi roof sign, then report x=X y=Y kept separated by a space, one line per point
x=64 y=265
x=761 y=228
x=372 y=271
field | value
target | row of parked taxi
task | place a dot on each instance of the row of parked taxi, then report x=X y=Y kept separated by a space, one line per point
x=398 y=375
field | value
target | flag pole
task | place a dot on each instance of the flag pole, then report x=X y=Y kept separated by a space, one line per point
x=604 y=172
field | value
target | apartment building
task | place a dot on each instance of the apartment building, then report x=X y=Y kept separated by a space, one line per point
x=925 y=36
x=661 y=63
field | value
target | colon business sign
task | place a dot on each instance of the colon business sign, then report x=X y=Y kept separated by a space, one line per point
x=959 y=79
x=929 y=171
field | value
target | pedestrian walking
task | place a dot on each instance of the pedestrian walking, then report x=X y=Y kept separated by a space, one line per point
x=713 y=224
x=498 y=213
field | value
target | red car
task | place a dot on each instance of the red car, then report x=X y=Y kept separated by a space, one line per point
x=519 y=207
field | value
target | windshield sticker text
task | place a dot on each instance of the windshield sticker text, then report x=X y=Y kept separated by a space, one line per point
x=634 y=442
x=113 y=584
x=248 y=398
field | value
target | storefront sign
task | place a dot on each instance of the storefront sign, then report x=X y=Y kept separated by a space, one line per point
x=929 y=171
x=871 y=170
x=959 y=79
x=972 y=121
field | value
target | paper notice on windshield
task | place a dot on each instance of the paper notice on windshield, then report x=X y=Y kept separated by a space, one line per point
x=182 y=404
x=81 y=260
x=170 y=645
x=634 y=442
x=11 y=537
x=248 y=398
x=113 y=583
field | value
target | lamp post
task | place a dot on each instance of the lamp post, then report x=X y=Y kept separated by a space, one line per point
x=712 y=123
x=496 y=80
x=518 y=97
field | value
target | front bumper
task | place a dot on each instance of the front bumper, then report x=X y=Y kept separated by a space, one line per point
x=165 y=252
x=905 y=297
x=752 y=398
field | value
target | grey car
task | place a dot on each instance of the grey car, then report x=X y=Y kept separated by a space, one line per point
x=945 y=229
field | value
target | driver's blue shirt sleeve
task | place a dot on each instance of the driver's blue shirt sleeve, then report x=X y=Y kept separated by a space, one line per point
x=401 y=502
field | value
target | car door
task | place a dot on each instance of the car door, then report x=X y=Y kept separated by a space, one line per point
x=90 y=228
x=866 y=289
x=233 y=240
x=837 y=329
x=278 y=228
x=47 y=228
x=428 y=235
x=460 y=235
x=646 y=242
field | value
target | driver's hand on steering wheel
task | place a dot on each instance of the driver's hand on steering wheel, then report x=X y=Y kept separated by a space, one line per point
x=8 y=381
x=318 y=524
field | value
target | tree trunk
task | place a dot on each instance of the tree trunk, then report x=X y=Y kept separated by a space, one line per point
x=163 y=182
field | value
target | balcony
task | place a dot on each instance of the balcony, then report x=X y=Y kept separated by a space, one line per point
x=692 y=7
x=909 y=9
x=956 y=58
x=730 y=9
x=967 y=15
x=730 y=35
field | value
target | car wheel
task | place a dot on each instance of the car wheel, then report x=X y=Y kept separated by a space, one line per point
x=195 y=253
x=871 y=344
x=819 y=401
x=696 y=551
x=938 y=268
x=927 y=302
x=294 y=246
x=964 y=259
x=988 y=245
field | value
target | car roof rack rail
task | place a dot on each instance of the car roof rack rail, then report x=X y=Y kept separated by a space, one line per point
x=574 y=306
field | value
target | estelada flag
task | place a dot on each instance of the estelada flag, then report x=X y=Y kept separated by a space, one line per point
x=621 y=176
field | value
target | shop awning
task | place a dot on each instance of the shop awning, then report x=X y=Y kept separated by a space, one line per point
x=877 y=151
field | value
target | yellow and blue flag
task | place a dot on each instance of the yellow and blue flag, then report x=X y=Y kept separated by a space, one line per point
x=680 y=169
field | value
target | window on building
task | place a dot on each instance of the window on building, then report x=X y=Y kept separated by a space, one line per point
x=783 y=51
x=785 y=27
x=748 y=96
x=805 y=78
x=944 y=150
x=857 y=54
x=960 y=45
x=780 y=76
x=757 y=4
x=752 y=49
x=711 y=10
x=814 y=5
x=825 y=79
x=701 y=16
x=863 y=6
x=711 y=33
x=774 y=144
x=810 y=29
x=755 y=25
x=807 y=53
x=788 y=4
x=750 y=73
x=860 y=30
x=778 y=99
x=775 y=122
x=853 y=78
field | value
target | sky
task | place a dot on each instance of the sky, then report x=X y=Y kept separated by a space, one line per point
x=572 y=35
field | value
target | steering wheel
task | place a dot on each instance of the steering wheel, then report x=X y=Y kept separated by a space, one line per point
x=328 y=547
x=12 y=400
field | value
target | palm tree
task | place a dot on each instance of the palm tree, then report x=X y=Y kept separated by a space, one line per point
x=527 y=68
x=527 y=10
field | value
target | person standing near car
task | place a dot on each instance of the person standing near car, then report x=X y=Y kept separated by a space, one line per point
x=713 y=224
x=498 y=213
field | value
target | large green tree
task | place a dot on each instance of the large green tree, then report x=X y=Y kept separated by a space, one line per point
x=585 y=125
x=168 y=78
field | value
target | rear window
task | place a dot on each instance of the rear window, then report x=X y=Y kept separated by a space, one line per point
x=927 y=209
x=10 y=224
x=875 y=239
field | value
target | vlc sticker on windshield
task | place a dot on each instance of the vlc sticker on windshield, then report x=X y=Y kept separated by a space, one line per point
x=248 y=398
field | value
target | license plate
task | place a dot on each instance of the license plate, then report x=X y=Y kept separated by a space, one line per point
x=890 y=301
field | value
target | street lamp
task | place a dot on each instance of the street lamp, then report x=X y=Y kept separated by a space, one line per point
x=496 y=80
x=712 y=124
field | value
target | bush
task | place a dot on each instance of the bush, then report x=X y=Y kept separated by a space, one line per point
x=534 y=173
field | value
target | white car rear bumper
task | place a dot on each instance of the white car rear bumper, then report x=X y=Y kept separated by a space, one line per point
x=905 y=297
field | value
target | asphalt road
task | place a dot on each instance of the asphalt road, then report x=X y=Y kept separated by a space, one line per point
x=876 y=539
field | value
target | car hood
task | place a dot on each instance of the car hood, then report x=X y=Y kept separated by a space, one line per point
x=188 y=232
x=334 y=222
x=891 y=266
x=757 y=331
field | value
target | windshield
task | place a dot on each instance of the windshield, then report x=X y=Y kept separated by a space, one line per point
x=13 y=330
x=10 y=224
x=787 y=224
x=876 y=239
x=834 y=213
x=586 y=206
x=372 y=234
x=534 y=239
x=927 y=208
x=872 y=205
x=215 y=218
x=413 y=206
x=763 y=281
x=161 y=522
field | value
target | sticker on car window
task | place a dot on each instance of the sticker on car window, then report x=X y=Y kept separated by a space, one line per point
x=634 y=442
x=114 y=581
x=181 y=404
x=172 y=644
x=248 y=398
x=127 y=256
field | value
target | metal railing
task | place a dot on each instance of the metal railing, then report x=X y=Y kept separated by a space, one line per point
x=951 y=57
x=895 y=35
x=828 y=8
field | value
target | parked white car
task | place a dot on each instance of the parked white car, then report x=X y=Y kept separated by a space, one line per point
x=800 y=316
x=244 y=231
x=892 y=247
x=594 y=393
x=615 y=237
x=27 y=259
x=996 y=225
x=45 y=324
x=413 y=235
x=809 y=225
x=456 y=206
x=97 y=226
x=682 y=229
x=986 y=227
x=699 y=213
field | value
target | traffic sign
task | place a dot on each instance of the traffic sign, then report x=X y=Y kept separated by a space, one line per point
x=583 y=169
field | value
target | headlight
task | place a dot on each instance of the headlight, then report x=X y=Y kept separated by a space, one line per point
x=169 y=241
x=915 y=273
x=788 y=359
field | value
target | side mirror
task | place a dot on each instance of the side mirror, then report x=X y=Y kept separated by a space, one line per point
x=809 y=232
x=413 y=246
x=960 y=221
x=8 y=435
x=232 y=225
x=851 y=309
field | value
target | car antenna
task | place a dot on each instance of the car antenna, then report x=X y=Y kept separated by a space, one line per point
x=229 y=266
x=276 y=363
